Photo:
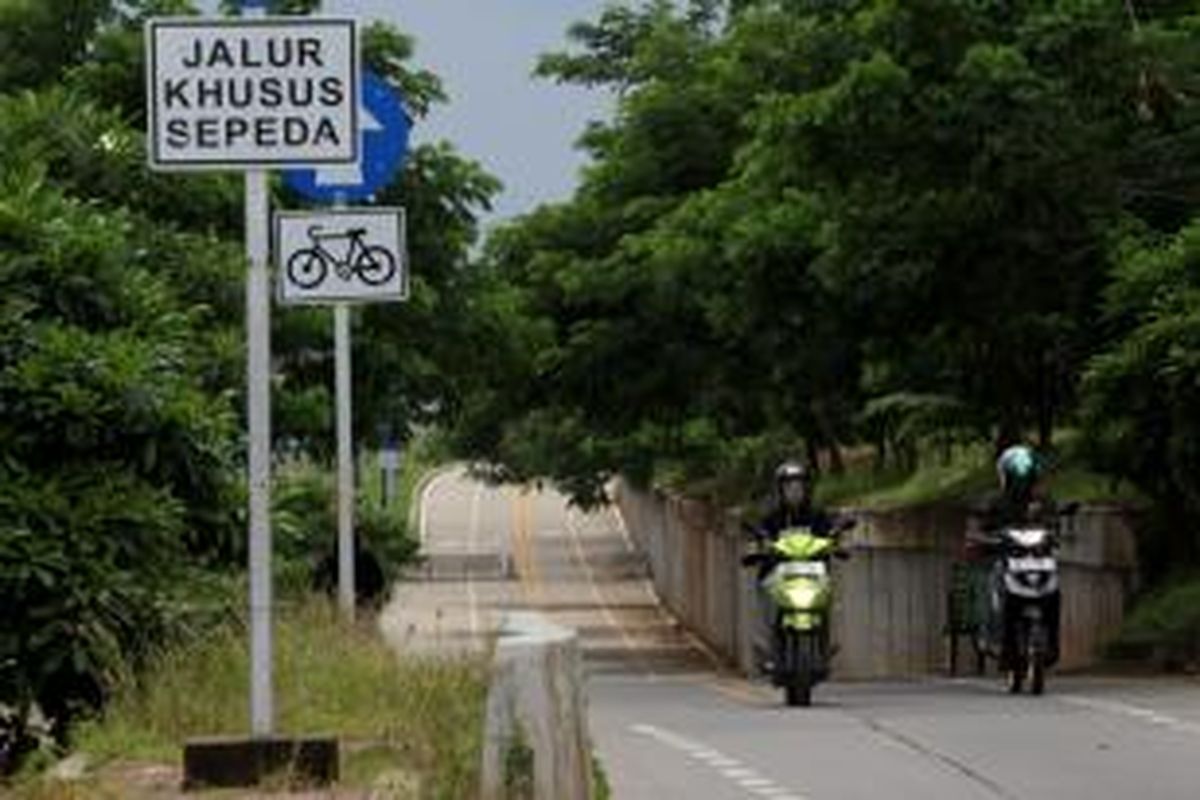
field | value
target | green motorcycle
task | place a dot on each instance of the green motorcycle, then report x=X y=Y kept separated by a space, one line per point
x=794 y=573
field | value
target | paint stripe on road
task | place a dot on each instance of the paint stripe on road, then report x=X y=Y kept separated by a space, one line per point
x=727 y=767
x=426 y=491
x=472 y=534
x=581 y=558
x=1147 y=715
x=619 y=518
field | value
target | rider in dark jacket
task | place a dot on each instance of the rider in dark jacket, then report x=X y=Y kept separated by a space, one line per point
x=792 y=507
x=1020 y=502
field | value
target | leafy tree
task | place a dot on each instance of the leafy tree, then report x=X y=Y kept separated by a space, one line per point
x=121 y=350
x=117 y=462
x=1141 y=394
x=802 y=212
x=39 y=40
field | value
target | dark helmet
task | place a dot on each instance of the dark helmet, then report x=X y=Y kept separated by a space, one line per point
x=1018 y=469
x=793 y=483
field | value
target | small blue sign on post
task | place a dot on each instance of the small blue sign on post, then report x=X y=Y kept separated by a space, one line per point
x=386 y=127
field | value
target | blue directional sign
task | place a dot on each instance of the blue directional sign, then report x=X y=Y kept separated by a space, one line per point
x=385 y=129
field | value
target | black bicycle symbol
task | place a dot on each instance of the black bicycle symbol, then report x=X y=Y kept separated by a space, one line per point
x=374 y=265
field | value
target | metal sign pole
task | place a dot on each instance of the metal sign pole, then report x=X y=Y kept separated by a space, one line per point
x=258 y=334
x=345 y=449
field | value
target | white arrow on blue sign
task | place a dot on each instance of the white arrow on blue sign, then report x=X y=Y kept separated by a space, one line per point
x=386 y=126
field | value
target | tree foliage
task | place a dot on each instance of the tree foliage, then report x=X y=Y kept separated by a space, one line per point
x=122 y=347
x=1142 y=392
x=810 y=225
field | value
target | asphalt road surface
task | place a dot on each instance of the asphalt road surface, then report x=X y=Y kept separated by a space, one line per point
x=669 y=723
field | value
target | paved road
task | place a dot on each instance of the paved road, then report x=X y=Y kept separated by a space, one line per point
x=669 y=724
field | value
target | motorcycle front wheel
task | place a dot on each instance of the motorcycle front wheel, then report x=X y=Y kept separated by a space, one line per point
x=1020 y=664
x=798 y=688
x=1037 y=658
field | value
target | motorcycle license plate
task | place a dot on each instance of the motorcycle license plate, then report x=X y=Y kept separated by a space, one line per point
x=803 y=569
x=1032 y=564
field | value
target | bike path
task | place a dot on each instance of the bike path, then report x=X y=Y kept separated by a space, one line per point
x=668 y=723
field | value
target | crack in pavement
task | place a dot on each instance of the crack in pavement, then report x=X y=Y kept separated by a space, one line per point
x=927 y=751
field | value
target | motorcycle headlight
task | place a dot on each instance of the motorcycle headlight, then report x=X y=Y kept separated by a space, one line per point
x=803 y=594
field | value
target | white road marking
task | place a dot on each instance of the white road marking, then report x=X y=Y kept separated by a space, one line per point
x=729 y=768
x=472 y=531
x=648 y=587
x=423 y=524
x=581 y=557
x=615 y=510
x=1146 y=715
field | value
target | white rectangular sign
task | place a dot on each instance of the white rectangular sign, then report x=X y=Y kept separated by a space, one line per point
x=245 y=93
x=355 y=255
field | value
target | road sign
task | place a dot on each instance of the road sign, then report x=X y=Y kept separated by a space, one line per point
x=386 y=126
x=243 y=93
x=351 y=255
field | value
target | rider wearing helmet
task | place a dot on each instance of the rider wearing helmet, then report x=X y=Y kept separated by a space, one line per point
x=1018 y=470
x=1020 y=502
x=793 y=503
x=792 y=507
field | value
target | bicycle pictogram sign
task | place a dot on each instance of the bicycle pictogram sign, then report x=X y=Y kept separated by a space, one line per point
x=373 y=264
x=341 y=255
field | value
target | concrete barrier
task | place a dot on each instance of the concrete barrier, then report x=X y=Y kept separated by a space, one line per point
x=891 y=611
x=536 y=743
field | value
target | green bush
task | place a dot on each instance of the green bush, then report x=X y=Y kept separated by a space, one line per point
x=118 y=468
x=1165 y=625
x=305 y=520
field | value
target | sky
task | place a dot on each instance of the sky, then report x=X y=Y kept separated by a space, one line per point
x=520 y=128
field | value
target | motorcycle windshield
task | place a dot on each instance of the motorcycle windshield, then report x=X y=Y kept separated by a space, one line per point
x=799 y=544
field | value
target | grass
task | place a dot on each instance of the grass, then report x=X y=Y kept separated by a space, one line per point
x=965 y=473
x=407 y=720
x=601 y=787
x=422 y=454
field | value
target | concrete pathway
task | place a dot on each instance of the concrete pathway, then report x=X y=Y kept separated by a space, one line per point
x=668 y=723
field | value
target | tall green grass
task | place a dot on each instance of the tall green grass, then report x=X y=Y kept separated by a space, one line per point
x=965 y=473
x=422 y=454
x=421 y=717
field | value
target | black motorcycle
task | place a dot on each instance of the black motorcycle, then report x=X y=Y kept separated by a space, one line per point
x=1024 y=600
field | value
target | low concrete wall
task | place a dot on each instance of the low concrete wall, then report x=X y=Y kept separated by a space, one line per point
x=891 y=609
x=536 y=712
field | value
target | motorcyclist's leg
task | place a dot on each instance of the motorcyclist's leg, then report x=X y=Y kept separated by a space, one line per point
x=763 y=639
x=1009 y=648
x=995 y=620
